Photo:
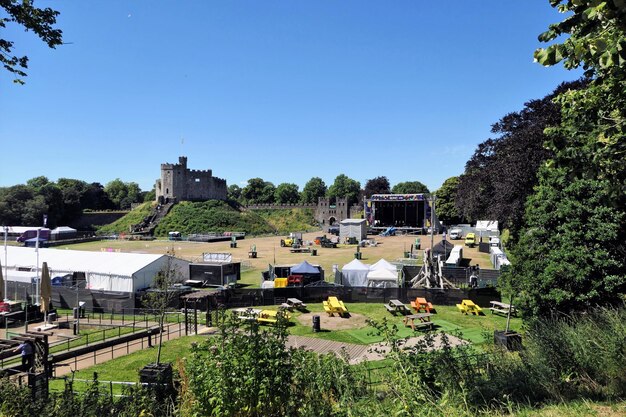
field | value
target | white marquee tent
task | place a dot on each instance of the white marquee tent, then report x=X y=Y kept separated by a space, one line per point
x=354 y=274
x=356 y=228
x=108 y=271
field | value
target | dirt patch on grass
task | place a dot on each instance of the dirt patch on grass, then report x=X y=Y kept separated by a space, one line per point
x=354 y=321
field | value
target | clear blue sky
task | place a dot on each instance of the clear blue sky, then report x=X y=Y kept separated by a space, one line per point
x=283 y=90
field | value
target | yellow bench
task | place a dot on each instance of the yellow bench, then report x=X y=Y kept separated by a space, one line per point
x=468 y=307
x=270 y=316
x=327 y=308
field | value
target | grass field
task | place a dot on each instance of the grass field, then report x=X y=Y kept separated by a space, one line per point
x=269 y=251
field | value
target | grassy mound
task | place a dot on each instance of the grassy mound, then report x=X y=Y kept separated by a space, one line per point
x=211 y=216
x=123 y=224
x=217 y=216
x=289 y=220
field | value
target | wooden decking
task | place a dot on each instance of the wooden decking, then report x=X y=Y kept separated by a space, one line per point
x=317 y=345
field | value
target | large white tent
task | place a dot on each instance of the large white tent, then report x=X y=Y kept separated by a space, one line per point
x=354 y=274
x=108 y=271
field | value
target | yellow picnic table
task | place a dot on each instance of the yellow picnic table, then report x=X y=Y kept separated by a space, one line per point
x=468 y=307
x=334 y=305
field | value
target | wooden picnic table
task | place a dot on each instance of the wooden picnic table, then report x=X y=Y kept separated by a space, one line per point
x=502 y=308
x=396 y=306
x=423 y=320
x=295 y=303
x=420 y=304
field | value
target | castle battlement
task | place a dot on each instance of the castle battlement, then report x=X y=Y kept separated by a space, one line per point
x=183 y=184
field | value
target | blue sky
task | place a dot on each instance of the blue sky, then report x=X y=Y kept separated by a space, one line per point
x=282 y=90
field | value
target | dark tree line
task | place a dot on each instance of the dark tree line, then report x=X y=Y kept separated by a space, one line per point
x=62 y=201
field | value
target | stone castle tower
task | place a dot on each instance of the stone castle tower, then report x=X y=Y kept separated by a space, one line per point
x=327 y=214
x=178 y=183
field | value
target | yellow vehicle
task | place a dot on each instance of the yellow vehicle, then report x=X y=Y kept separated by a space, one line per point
x=293 y=238
x=470 y=239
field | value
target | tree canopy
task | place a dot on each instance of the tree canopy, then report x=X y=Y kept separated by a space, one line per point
x=39 y=21
x=501 y=174
x=571 y=253
x=344 y=187
x=287 y=193
x=445 y=208
x=378 y=185
x=258 y=191
x=410 y=187
x=313 y=190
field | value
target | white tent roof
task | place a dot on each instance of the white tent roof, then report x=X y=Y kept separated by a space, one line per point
x=487 y=226
x=383 y=264
x=355 y=265
x=116 y=263
x=110 y=271
x=352 y=221
x=62 y=229
x=382 y=275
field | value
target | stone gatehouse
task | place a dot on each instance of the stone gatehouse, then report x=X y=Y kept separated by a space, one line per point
x=178 y=183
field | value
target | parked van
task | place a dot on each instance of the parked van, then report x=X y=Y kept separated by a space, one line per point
x=456 y=234
x=44 y=234
x=470 y=239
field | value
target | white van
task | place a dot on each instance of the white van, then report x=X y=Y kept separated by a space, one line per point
x=456 y=234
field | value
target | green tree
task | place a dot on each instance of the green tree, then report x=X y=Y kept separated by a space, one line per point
x=234 y=192
x=31 y=18
x=445 y=207
x=123 y=194
x=258 y=191
x=287 y=193
x=410 y=187
x=344 y=187
x=570 y=255
x=313 y=190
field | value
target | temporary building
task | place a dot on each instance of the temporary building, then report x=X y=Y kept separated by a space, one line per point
x=354 y=274
x=498 y=258
x=382 y=278
x=355 y=228
x=62 y=232
x=107 y=271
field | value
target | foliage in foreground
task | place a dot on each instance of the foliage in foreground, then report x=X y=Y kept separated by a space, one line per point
x=247 y=371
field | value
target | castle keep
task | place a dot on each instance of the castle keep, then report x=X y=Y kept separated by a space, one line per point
x=178 y=183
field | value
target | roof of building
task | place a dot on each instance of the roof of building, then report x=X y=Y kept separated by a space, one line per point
x=115 y=263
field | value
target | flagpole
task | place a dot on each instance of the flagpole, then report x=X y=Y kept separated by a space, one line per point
x=6 y=278
x=37 y=269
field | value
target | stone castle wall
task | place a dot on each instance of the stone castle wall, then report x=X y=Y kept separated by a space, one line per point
x=183 y=184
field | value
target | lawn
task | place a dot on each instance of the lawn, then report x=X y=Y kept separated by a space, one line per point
x=126 y=368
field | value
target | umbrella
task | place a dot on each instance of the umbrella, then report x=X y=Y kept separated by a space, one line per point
x=2 y=294
x=46 y=288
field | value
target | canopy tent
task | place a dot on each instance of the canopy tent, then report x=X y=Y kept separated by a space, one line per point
x=382 y=278
x=304 y=268
x=356 y=228
x=354 y=274
x=107 y=271
x=383 y=264
x=443 y=248
x=63 y=232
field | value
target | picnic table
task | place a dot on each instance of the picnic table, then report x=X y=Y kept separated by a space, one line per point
x=294 y=303
x=260 y=316
x=420 y=304
x=423 y=321
x=396 y=306
x=502 y=308
x=334 y=305
x=300 y=250
x=468 y=307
